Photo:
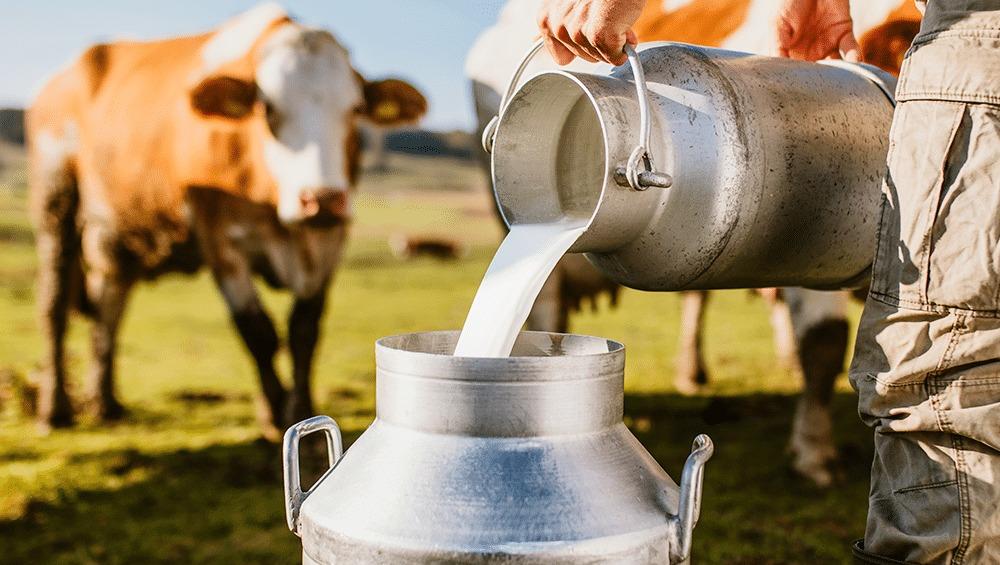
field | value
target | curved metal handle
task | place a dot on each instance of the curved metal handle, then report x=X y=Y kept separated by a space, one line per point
x=294 y=495
x=630 y=175
x=690 y=504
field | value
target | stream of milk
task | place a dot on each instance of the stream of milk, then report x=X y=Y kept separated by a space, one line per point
x=515 y=277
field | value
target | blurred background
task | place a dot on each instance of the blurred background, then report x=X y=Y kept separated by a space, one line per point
x=185 y=477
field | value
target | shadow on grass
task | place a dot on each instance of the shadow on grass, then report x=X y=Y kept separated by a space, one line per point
x=223 y=504
x=220 y=504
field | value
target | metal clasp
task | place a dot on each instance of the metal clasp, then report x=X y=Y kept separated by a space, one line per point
x=638 y=172
x=294 y=495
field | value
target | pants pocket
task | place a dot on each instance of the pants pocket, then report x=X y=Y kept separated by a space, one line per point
x=921 y=138
x=963 y=263
x=939 y=233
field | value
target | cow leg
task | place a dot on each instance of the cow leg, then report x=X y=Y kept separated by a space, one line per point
x=107 y=293
x=55 y=201
x=690 y=374
x=53 y=299
x=260 y=338
x=785 y=349
x=303 y=334
x=820 y=325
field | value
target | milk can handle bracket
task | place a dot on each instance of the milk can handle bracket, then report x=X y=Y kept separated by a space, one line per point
x=638 y=173
x=690 y=498
x=294 y=495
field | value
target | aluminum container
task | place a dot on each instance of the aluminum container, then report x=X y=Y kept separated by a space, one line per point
x=716 y=170
x=494 y=460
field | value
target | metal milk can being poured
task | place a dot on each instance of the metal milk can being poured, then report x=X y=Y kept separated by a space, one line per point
x=712 y=169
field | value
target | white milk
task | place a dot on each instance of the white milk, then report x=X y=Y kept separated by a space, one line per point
x=515 y=277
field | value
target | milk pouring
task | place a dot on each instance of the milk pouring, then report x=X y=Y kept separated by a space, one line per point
x=514 y=278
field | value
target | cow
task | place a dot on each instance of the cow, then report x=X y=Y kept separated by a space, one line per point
x=810 y=327
x=234 y=149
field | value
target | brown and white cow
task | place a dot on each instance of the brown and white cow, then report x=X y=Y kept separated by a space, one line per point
x=234 y=149
x=810 y=327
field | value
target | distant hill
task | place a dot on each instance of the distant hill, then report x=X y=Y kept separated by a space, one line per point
x=459 y=144
x=12 y=125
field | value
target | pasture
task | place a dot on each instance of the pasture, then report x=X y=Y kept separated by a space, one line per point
x=185 y=479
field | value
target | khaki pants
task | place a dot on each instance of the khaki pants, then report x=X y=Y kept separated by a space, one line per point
x=927 y=359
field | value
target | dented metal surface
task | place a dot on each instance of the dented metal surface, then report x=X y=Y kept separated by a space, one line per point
x=775 y=168
x=500 y=460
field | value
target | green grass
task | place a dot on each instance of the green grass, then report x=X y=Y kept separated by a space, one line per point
x=185 y=478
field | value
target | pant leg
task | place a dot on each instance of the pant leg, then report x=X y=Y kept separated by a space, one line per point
x=927 y=359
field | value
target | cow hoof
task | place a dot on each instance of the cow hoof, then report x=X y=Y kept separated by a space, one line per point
x=819 y=475
x=54 y=421
x=107 y=410
x=297 y=410
x=57 y=413
x=270 y=433
x=271 y=428
x=689 y=382
x=816 y=465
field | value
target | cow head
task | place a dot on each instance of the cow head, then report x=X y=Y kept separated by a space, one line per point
x=303 y=89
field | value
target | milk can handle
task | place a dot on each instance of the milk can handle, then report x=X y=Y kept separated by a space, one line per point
x=294 y=495
x=690 y=503
x=630 y=175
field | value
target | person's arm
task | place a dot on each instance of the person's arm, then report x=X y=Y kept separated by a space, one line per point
x=816 y=29
x=597 y=30
x=594 y=30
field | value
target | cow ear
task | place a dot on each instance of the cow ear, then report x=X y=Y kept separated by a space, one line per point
x=393 y=102
x=224 y=96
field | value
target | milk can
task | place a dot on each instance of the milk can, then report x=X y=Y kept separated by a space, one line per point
x=701 y=168
x=522 y=459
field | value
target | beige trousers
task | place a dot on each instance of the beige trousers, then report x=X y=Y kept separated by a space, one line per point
x=927 y=359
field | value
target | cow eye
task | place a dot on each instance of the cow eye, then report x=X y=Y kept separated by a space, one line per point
x=273 y=117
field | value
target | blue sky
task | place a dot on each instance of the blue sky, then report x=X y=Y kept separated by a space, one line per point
x=424 y=41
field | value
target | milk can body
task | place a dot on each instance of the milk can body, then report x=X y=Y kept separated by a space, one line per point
x=775 y=164
x=496 y=460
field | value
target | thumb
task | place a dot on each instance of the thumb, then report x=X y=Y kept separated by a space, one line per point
x=849 y=49
x=631 y=38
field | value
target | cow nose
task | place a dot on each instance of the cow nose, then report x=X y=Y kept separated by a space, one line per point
x=325 y=205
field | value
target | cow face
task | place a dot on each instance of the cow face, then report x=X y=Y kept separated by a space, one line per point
x=310 y=97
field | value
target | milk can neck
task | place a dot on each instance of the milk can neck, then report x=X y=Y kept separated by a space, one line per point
x=520 y=396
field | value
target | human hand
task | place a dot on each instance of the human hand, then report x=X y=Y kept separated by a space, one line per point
x=594 y=30
x=816 y=29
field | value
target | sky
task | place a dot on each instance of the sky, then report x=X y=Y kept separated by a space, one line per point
x=423 y=41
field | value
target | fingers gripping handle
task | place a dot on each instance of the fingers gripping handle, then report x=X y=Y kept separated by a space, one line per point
x=690 y=503
x=294 y=495
x=638 y=173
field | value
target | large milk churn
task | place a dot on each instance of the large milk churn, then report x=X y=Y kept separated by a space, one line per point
x=522 y=459
x=701 y=168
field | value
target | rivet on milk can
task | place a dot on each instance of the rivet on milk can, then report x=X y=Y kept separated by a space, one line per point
x=710 y=169
x=520 y=459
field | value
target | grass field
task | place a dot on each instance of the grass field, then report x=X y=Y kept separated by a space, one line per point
x=185 y=478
